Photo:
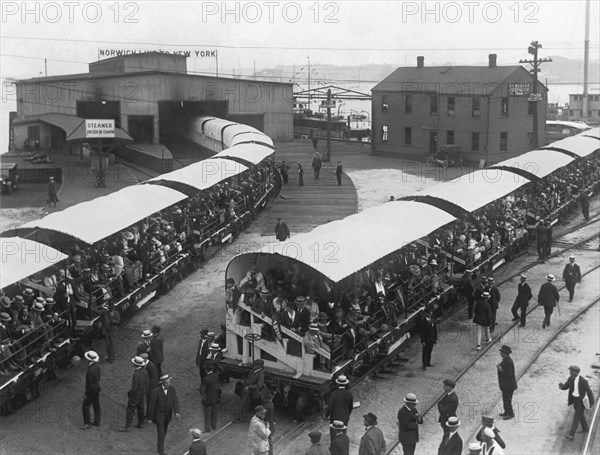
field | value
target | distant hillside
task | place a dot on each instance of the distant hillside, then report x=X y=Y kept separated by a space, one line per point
x=560 y=70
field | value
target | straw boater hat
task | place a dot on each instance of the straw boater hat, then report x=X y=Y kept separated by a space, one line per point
x=215 y=346
x=196 y=433
x=37 y=306
x=411 y=398
x=4 y=317
x=49 y=301
x=92 y=356
x=550 y=277
x=338 y=425
x=19 y=299
x=5 y=302
x=453 y=422
x=41 y=300
x=342 y=380
x=146 y=334
x=164 y=378
x=485 y=295
x=28 y=292
x=489 y=433
x=138 y=361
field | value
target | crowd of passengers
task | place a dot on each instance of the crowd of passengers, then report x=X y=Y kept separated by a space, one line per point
x=96 y=274
x=381 y=294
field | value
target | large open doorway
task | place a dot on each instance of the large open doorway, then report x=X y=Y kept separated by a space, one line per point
x=140 y=128
x=100 y=110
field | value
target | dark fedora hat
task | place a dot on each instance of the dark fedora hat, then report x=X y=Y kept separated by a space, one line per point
x=506 y=349
x=371 y=418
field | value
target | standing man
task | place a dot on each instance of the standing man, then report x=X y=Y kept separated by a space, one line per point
x=428 y=330
x=524 y=295
x=340 y=444
x=259 y=432
x=144 y=345
x=507 y=381
x=316 y=448
x=283 y=170
x=452 y=443
x=448 y=405
x=206 y=339
x=91 y=396
x=542 y=239
x=315 y=139
x=316 y=165
x=282 y=233
x=578 y=388
x=584 y=200
x=372 y=442
x=341 y=403
x=156 y=349
x=163 y=404
x=548 y=297
x=110 y=329
x=408 y=424
x=198 y=446
x=300 y=174
x=53 y=196
x=571 y=276
x=482 y=316
x=488 y=422
x=254 y=382
x=494 y=301
x=135 y=397
x=152 y=380
x=210 y=391
x=338 y=173
x=549 y=238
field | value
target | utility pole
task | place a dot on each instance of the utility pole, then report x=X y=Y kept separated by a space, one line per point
x=535 y=63
x=308 y=82
x=586 y=61
x=328 y=148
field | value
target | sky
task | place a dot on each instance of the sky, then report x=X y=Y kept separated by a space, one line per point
x=62 y=37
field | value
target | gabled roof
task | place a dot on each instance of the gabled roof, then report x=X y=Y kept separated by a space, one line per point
x=451 y=80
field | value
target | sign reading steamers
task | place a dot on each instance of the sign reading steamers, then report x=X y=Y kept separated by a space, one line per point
x=99 y=128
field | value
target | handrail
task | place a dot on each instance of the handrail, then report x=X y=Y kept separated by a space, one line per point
x=591 y=435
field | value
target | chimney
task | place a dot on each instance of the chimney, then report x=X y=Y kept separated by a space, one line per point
x=420 y=61
x=492 y=63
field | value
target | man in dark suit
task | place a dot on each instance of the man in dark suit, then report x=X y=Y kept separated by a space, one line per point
x=202 y=352
x=448 y=405
x=144 y=345
x=198 y=446
x=408 y=424
x=152 y=379
x=253 y=383
x=338 y=173
x=578 y=388
x=571 y=276
x=428 y=331
x=341 y=403
x=91 y=396
x=156 y=349
x=548 y=298
x=524 y=295
x=163 y=404
x=282 y=232
x=340 y=444
x=507 y=381
x=135 y=397
x=494 y=301
x=452 y=443
x=482 y=316
x=210 y=390
x=373 y=441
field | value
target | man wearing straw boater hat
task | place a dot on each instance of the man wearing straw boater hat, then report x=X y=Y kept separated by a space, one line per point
x=452 y=443
x=340 y=403
x=91 y=396
x=488 y=422
x=135 y=397
x=548 y=298
x=340 y=444
x=163 y=404
x=408 y=424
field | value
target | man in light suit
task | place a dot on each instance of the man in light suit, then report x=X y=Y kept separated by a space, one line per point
x=163 y=404
x=571 y=276
x=578 y=388
x=452 y=443
x=372 y=442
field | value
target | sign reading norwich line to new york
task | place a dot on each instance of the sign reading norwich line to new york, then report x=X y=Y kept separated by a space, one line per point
x=517 y=89
x=99 y=128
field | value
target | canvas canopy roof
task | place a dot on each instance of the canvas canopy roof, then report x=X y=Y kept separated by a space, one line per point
x=202 y=175
x=340 y=248
x=474 y=190
x=253 y=153
x=539 y=163
x=99 y=218
x=250 y=137
x=581 y=145
x=594 y=132
x=22 y=258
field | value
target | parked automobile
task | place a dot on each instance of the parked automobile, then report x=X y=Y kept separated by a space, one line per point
x=446 y=155
x=9 y=178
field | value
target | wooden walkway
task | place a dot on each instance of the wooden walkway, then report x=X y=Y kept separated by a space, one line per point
x=303 y=208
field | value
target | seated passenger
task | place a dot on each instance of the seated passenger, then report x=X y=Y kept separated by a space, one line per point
x=255 y=276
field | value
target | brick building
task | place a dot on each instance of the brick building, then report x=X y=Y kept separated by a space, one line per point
x=575 y=109
x=483 y=109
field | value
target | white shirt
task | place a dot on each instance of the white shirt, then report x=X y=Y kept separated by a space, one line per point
x=576 y=386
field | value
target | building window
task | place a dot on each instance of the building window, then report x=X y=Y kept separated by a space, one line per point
x=384 y=133
x=504 y=106
x=570 y=111
x=384 y=103
x=503 y=141
x=408 y=104
x=407 y=136
x=433 y=110
x=451 y=102
x=476 y=107
x=531 y=108
x=450 y=137
x=475 y=142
